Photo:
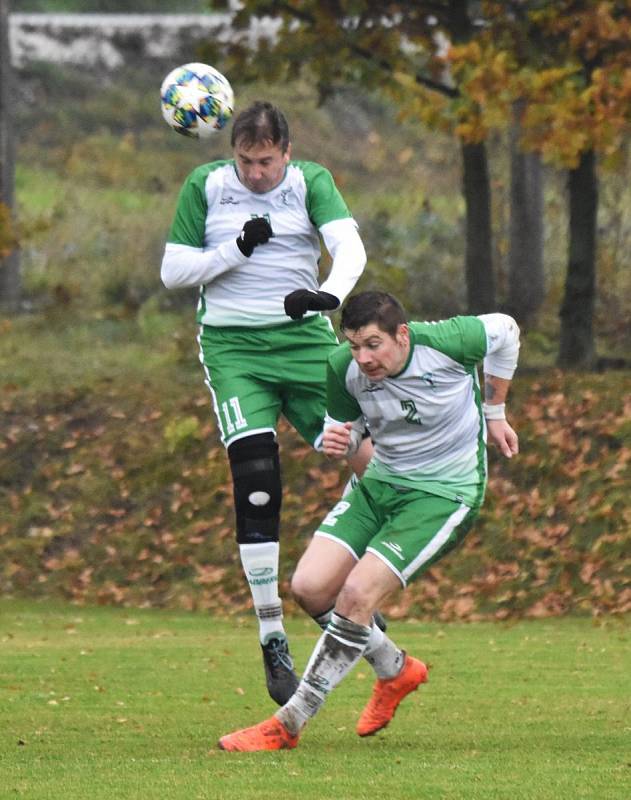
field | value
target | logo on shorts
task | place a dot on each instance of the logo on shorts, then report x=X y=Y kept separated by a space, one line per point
x=396 y=549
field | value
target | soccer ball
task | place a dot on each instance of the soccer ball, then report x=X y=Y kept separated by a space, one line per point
x=196 y=100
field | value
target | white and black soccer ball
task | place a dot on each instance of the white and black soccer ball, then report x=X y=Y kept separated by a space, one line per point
x=196 y=100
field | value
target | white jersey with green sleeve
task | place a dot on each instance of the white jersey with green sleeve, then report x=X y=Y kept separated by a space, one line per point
x=426 y=423
x=212 y=208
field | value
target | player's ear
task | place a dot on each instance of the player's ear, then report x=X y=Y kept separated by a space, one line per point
x=403 y=334
x=287 y=153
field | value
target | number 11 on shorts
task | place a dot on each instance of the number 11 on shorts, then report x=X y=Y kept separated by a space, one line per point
x=236 y=420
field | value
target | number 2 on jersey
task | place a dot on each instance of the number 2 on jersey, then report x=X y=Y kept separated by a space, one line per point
x=412 y=413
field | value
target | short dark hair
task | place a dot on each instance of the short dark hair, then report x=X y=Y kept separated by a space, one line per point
x=259 y=123
x=367 y=308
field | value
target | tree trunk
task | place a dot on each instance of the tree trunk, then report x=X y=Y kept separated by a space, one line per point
x=10 y=285
x=478 y=243
x=577 y=310
x=526 y=288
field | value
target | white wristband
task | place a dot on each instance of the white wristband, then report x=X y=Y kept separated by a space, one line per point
x=494 y=410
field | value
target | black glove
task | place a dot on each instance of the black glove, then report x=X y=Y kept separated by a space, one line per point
x=302 y=300
x=255 y=231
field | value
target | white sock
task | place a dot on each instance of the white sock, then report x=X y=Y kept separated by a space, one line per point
x=260 y=565
x=339 y=649
x=382 y=654
x=323 y=619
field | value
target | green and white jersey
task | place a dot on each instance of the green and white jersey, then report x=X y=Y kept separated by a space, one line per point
x=212 y=208
x=426 y=423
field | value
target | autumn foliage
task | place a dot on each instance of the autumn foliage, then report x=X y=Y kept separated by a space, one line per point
x=569 y=66
x=461 y=67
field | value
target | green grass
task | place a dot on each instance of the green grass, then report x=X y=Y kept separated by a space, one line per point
x=121 y=703
x=40 y=354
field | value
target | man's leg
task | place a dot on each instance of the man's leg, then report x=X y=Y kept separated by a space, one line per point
x=398 y=674
x=319 y=577
x=381 y=653
x=256 y=478
x=340 y=647
x=320 y=574
x=358 y=463
x=366 y=586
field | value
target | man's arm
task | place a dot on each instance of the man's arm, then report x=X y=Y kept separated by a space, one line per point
x=186 y=262
x=349 y=257
x=330 y=215
x=342 y=439
x=500 y=362
x=500 y=432
x=344 y=424
x=184 y=266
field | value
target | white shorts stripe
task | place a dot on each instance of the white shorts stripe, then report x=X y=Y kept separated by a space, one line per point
x=225 y=440
x=381 y=557
x=209 y=385
x=338 y=541
x=438 y=541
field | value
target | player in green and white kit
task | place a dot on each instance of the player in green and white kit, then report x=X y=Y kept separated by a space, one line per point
x=247 y=232
x=416 y=386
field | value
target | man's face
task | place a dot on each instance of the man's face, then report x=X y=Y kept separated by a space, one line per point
x=262 y=166
x=377 y=353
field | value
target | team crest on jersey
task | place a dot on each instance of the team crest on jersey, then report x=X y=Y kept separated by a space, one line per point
x=428 y=378
x=262 y=216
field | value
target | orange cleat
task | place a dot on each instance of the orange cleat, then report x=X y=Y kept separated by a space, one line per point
x=388 y=693
x=270 y=734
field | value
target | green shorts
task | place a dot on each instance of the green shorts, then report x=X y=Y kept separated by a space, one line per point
x=257 y=374
x=408 y=529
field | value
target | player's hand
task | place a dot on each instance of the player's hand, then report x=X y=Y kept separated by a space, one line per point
x=501 y=434
x=255 y=231
x=336 y=440
x=300 y=301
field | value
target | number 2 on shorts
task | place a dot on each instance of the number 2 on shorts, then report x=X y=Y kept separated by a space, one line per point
x=335 y=512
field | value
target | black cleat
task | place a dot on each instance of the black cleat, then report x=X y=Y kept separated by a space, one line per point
x=281 y=679
x=380 y=621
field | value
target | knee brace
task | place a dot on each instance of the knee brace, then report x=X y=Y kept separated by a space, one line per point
x=257 y=487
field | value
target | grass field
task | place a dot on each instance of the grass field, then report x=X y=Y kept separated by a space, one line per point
x=119 y=703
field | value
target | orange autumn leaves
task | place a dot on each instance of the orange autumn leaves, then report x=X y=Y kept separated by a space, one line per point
x=103 y=505
x=569 y=67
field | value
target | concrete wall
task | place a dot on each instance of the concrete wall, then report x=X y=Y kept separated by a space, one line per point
x=111 y=40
